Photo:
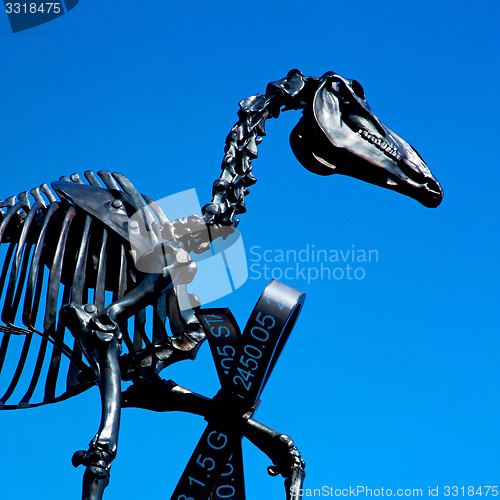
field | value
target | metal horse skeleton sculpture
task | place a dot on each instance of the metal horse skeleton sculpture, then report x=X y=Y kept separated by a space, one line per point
x=98 y=265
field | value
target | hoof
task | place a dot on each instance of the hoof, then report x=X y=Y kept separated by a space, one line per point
x=288 y=460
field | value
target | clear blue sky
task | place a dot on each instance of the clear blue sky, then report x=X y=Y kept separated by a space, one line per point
x=391 y=381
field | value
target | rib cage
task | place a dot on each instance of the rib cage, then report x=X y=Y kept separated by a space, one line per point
x=56 y=253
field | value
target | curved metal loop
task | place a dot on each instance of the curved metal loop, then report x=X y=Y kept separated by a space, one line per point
x=244 y=363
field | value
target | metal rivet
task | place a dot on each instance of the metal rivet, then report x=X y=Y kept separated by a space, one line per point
x=133 y=224
x=116 y=204
x=90 y=308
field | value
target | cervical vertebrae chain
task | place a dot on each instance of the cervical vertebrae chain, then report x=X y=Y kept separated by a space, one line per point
x=241 y=145
x=230 y=189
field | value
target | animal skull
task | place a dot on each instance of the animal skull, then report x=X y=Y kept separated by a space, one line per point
x=339 y=134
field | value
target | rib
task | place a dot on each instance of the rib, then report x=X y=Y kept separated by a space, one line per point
x=16 y=273
x=119 y=293
x=130 y=189
x=100 y=286
x=55 y=358
x=159 y=317
x=11 y=212
x=35 y=277
x=22 y=280
x=140 y=334
x=77 y=295
x=36 y=373
x=78 y=283
x=19 y=370
x=55 y=274
x=6 y=337
x=6 y=265
x=3 y=349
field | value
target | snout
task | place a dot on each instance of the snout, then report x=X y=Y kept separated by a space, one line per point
x=433 y=194
x=428 y=192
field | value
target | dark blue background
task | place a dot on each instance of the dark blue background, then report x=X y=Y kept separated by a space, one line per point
x=391 y=381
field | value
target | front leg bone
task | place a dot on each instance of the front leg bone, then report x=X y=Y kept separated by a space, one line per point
x=102 y=350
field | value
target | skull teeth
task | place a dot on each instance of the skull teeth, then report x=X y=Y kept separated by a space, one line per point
x=381 y=144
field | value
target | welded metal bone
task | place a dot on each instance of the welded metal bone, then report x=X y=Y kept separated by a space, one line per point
x=73 y=250
x=102 y=351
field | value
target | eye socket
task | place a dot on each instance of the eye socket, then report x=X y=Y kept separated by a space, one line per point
x=335 y=81
x=357 y=89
